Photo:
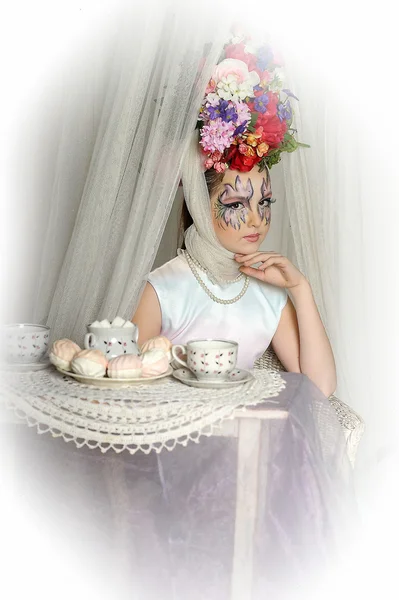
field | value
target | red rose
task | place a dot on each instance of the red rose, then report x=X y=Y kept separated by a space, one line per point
x=237 y=51
x=240 y=162
x=271 y=108
x=273 y=129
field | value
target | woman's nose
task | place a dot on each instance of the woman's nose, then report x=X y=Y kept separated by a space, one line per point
x=254 y=219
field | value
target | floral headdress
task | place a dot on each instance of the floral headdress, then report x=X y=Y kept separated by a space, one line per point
x=245 y=118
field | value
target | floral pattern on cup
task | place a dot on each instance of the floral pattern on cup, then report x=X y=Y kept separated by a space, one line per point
x=25 y=343
x=112 y=341
x=209 y=359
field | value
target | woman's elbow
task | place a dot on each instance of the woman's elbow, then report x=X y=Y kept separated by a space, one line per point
x=328 y=387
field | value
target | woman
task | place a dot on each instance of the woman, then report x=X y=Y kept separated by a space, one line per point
x=212 y=289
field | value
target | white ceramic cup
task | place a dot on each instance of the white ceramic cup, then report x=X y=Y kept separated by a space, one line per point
x=212 y=360
x=24 y=343
x=112 y=341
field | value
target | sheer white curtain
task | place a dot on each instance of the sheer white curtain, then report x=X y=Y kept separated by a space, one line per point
x=340 y=199
x=160 y=66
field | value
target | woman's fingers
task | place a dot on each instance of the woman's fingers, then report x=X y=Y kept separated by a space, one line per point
x=269 y=262
x=250 y=258
x=252 y=272
x=263 y=258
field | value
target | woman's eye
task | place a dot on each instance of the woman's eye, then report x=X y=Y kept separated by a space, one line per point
x=265 y=201
x=235 y=205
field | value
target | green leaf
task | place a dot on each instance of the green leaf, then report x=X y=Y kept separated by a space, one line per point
x=273 y=159
x=301 y=145
x=290 y=144
x=254 y=118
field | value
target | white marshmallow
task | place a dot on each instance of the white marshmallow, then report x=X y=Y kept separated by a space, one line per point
x=159 y=343
x=62 y=352
x=90 y=362
x=128 y=324
x=155 y=362
x=126 y=366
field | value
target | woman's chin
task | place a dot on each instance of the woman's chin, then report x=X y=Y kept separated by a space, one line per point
x=247 y=247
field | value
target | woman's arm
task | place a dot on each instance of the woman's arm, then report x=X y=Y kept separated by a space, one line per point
x=148 y=316
x=301 y=342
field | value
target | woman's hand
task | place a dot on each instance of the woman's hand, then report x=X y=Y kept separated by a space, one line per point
x=274 y=269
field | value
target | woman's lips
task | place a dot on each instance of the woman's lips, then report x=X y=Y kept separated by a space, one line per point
x=252 y=238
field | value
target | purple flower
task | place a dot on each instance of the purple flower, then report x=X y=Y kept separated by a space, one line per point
x=223 y=111
x=264 y=56
x=261 y=103
x=284 y=111
x=227 y=112
x=240 y=129
x=214 y=112
x=290 y=94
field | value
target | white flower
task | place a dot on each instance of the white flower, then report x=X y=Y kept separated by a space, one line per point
x=234 y=81
x=212 y=99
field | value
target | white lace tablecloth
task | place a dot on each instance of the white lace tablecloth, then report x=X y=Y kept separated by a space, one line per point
x=147 y=417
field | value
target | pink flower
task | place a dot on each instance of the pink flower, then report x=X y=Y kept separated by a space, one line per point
x=220 y=167
x=208 y=164
x=218 y=135
x=210 y=87
x=216 y=156
x=243 y=112
x=237 y=69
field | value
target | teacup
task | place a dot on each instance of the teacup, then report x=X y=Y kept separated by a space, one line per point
x=212 y=360
x=112 y=341
x=24 y=343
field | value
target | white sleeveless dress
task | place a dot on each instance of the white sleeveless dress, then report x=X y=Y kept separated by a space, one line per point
x=188 y=312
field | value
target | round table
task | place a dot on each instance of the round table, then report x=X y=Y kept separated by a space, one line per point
x=228 y=517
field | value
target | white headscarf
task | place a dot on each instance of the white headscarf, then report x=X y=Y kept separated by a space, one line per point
x=200 y=239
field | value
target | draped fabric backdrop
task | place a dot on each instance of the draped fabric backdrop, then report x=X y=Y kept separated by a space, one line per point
x=162 y=60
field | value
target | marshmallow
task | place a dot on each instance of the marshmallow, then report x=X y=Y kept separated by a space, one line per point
x=128 y=324
x=158 y=343
x=126 y=366
x=95 y=324
x=62 y=352
x=155 y=362
x=89 y=362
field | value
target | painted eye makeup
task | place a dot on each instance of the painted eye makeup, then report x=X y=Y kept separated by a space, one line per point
x=234 y=205
x=266 y=201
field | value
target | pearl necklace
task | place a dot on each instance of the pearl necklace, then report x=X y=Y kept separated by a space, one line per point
x=192 y=266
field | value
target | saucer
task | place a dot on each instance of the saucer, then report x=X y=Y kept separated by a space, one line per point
x=236 y=377
x=26 y=367
x=108 y=382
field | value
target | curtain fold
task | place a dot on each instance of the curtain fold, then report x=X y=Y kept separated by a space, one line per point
x=157 y=81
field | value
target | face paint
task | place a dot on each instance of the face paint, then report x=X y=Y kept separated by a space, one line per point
x=264 y=205
x=233 y=204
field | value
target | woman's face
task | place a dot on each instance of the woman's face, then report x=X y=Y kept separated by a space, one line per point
x=241 y=212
